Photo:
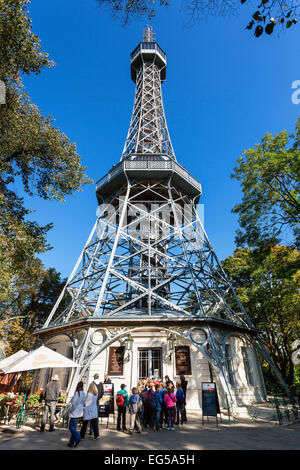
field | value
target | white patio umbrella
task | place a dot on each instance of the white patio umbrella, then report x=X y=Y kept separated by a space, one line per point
x=41 y=358
x=8 y=361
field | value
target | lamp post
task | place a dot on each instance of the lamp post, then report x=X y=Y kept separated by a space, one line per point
x=128 y=346
x=128 y=343
x=171 y=344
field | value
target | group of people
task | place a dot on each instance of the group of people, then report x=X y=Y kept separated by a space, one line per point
x=152 y=403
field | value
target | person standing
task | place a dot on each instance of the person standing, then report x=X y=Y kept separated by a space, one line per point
x=75 y=413
x=51 y=396
x=99 y=385
x=147 y=406
x=179 y=402
x=91 y=411
x=184 y=389
x=100 y=388
x=135 y=403
x=170 y=401
x=107 y=379
x=158 y=398
x=168 y=381
x=122 y=400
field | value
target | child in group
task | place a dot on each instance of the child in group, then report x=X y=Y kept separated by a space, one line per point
x=170 y=401
x=147 y=406
x=179 y=402
x=164 y=412
x=157 y=397
x=135 y=403
x=122 y=403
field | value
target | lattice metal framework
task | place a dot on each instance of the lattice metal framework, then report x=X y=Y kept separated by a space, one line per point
x=148 y=132
x=148 y=256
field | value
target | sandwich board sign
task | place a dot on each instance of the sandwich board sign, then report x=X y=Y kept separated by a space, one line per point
x=210 y=403
x=106 y=403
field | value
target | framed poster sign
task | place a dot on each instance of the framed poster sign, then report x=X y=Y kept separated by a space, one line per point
x=183 y=360
x=106 y=403
x=116 y=360
x=210 y=402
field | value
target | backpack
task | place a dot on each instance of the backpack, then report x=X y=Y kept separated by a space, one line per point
x=120 y=399
x=134 y=406
x=148 y=397
x=153 y=402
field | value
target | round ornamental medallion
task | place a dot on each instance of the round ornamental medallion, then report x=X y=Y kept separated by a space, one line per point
x=198 y=335
x=97 y=337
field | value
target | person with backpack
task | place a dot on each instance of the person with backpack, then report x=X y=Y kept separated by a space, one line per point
x=135 y=404
x=142 y=394
x=170 y=401
x=179 y=402
x=147 y=407
x=122 y=401
x=157 y=398
x=164 y=412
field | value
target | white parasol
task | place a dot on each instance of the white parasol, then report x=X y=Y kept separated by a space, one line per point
x=10 y=360
x=41 y=358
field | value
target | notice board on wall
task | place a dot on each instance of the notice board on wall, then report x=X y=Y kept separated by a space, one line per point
x=116 y=360
x=183 y=360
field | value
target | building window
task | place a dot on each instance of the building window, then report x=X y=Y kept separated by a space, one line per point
x=247 y=366
x=150 y=363
x=229 y=365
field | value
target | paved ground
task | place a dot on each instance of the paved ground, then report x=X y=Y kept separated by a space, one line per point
x=191 y=436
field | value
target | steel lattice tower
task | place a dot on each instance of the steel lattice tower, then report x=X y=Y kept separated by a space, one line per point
x=148 y=260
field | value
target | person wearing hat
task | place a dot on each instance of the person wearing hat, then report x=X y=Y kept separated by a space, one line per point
x=51 y=396
x=99 y=385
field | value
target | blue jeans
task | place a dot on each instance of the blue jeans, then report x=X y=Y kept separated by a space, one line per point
x=75 y=436
x=179 y=407
x=170 y=417
x=157 y=419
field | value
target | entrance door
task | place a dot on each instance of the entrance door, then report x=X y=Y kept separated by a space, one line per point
x=150 y=363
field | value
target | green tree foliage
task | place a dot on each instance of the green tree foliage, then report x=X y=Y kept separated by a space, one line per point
x=270 y=178
x=34 y=154
x=267 y=17
x=267 y=281
x=29 y=303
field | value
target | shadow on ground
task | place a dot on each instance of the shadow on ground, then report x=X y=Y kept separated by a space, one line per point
x=191 y=436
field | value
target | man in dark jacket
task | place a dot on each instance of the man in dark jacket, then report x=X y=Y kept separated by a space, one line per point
x=107 y=379
x=99 y=386
x=51 y=396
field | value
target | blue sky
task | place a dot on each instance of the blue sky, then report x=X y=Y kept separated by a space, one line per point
x=224 y=90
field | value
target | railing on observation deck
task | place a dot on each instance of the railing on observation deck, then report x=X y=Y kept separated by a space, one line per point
x=148 y=164
x=144 y=46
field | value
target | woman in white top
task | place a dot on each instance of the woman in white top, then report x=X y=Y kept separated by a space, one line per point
x=91 y=411
x=75 y=413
